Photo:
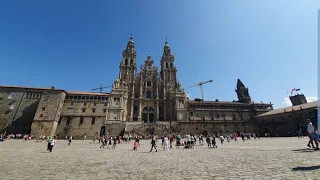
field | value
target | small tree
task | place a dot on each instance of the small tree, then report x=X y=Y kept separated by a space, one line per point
x=52 y=87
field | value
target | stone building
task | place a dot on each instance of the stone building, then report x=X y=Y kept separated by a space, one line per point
x=286 y=121
x=147 y=101
x=46 y=111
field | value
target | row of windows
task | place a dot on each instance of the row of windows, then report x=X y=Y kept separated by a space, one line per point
x=70 y=110
x=307 y=115
x=92 y=119
x=94 y=104
x=87 y=98
x=218 y=116
x=148 y=94
x=148 y=84
x=33 y=95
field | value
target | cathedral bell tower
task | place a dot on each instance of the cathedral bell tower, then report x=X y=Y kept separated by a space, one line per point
x=168 y=68
x=128 y=63
x=242 y=93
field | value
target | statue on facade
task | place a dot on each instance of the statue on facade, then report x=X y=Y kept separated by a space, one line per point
x=117 y=83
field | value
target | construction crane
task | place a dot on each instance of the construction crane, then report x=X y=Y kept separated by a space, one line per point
x=101 y=88
x=200 y=85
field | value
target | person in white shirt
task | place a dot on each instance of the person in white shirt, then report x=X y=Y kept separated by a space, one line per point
x=166 y=143
x=313 y=133
x=221 y=139
x=53 y=142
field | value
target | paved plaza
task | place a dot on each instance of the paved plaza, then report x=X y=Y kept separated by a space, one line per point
x=274 y=158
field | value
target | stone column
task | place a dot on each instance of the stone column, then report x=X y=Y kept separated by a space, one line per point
x=157 y=111
x=140 y=110
x=165 y=105
x=132 y=103
x=157 y=90
x=141 y=95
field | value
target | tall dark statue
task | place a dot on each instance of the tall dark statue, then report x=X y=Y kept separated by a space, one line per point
x=242 y=93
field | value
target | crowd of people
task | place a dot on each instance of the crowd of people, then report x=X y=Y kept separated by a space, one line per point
x=167 y=141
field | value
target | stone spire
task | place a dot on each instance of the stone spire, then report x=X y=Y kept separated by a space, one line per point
x=149 y=56
x=130 y=47
x=166 y=49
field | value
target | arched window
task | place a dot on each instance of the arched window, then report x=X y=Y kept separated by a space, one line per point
x=135 y=110
x=148 y=115
x=126 y=62
x=148 y=94
x=131 y=61
x=171 y=65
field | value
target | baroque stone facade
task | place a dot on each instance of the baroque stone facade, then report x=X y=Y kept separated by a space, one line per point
x=147 y=101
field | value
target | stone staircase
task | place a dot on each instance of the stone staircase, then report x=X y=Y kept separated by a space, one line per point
x=146 y=129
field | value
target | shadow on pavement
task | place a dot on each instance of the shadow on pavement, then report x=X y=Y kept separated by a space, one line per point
x=308 y=168
x=304 y=150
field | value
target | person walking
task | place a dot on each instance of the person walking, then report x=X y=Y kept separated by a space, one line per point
x=70 y=140
x=313 y=133
x=153 y=144
x=103 y=142
x=171 y=140
x=166 y=143
x=114 y=143
x=49 y=143
x=53 y=142
x=135 y=145
x=214 y=144
x=208 y=141
x=200 y=140
x=221 y=139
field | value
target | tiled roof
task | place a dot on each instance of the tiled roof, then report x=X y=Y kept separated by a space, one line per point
x=69 y=92
x=290 y=109
x=224 y=102
x=26 y=87
x=87 y=93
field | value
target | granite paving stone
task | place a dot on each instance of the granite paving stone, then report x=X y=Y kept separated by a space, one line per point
x=267 y=158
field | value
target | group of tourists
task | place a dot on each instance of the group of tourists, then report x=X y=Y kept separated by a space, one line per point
x=107 y=141
x=187 y=141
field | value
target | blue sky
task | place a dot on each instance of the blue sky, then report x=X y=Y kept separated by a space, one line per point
x=75 y=45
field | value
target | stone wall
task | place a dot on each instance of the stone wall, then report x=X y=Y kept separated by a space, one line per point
x=217 y=127
x=283 y=124
x=17 y=109
x=48 y=113
x=217 y=114
x=71 y=126
x=81 y=117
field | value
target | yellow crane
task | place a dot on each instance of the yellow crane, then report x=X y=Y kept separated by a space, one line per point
x=200 y=85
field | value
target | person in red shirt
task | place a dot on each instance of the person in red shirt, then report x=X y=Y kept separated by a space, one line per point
x=171 y=140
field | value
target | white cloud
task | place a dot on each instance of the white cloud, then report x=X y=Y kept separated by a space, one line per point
x=312 y=99
x=287 y=102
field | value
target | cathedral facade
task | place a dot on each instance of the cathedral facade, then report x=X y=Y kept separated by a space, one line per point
x=149 y=95
x=148 y=101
